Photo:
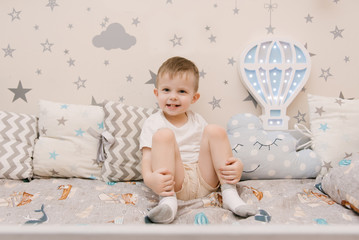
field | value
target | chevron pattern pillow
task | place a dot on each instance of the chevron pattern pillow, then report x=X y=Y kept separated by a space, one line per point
x=17 y=139
x=124 y=122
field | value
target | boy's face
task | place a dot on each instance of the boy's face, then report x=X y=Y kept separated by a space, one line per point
x=176 y=94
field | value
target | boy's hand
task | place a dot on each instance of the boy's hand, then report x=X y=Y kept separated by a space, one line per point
x=231 y=173
x=162 y=182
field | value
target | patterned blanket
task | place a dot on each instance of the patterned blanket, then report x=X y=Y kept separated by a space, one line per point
x=81 y=201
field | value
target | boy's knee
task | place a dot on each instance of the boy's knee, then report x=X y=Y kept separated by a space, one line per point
x=215 y=131
x=163 y=135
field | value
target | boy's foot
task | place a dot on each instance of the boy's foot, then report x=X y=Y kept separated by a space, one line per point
x=165 y=211
x=234 y=203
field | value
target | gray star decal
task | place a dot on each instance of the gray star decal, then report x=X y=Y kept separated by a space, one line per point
x=231 y=61
x=300 y=117
x=337 y=32
x=215 y=103
x=153 y=78
x=251 y=98
x=8 y=51
x=212 y=38
x=308 y=18
x=52 y=4
x=14 y=14
x=20 y=92
x=135 y=21
x=325 y=74
x=80 y=83
x=71 y=62
x=202 y=74
x=46 y=46
x=176 y=40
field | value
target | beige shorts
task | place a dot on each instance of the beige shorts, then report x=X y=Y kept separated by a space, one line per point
x=193 y=185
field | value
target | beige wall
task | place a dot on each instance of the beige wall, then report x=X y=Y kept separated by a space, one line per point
x=158 y=29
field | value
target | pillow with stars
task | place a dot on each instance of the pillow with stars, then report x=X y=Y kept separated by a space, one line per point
x=269 y=154
x=67 y=145
x=334 y=127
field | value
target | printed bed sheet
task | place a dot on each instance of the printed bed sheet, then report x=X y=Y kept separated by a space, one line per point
x=84 y=202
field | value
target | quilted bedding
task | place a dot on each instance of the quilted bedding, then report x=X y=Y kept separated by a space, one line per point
x=84 y=202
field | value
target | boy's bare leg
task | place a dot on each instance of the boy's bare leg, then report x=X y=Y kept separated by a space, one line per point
x=165 y=154
x=215 y=154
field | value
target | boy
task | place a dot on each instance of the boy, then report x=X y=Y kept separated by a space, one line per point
x=182 y=156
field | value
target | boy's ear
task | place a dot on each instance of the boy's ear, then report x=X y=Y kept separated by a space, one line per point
x=196 y=96
x=155 y=91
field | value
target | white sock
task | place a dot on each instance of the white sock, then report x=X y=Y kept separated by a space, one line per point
x=234 y=203
x=165 y=211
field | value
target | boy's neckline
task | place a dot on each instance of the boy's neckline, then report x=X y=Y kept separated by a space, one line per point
x=179 y=123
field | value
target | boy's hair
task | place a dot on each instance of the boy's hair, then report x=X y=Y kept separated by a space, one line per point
x=178 y=65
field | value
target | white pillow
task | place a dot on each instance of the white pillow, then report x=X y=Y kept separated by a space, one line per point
x=65 y=147
x=334 y=125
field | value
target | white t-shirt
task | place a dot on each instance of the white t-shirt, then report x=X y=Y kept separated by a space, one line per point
x=188 y=136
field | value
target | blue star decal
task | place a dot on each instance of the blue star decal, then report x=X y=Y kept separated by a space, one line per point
x=53 y=155
x=64 y=106
x=100 y=125
x=79 y=132
x=324 y=127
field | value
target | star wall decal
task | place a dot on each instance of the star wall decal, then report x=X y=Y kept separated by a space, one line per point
x=20 y=92
x=153 y=78
x=215 y=103
x=176 y=40
x=251 y=98
x=52 y=4
x=235 y=10
x=212 y=38
x=202 y=74
x=308 y=18
x=135 y=21
x=8 y=51
x=325 y=74
x=46 y=46
x=71 y=62
x=231 y=61
x=346 y=59
x=300 y=117
x=341 y=95
x=337 y=32
x=306 y=47
x=14 y=14
x=129 y=78
x=94 y=103
x=80 y=83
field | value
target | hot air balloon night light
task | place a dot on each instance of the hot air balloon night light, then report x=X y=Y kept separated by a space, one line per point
x=275 y=71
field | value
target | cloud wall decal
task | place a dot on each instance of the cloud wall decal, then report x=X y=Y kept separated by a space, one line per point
x=115 y=36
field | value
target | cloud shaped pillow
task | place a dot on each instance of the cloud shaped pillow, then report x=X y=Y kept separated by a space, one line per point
x=269 y=154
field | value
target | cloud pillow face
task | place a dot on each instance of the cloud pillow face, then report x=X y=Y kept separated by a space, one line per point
x=269 y=154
